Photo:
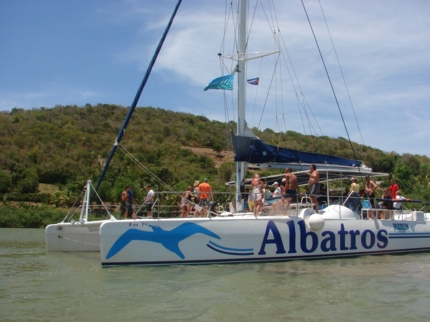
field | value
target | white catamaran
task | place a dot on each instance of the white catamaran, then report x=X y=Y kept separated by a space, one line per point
x=79 y=235
x=299 y=233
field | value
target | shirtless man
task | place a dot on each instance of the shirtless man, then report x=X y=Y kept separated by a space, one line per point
x=314 y=186
x=370 y=190
x=129 y=201
x=291 y=191
x=291 y=186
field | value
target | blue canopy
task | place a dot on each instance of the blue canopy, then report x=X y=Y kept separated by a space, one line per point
x=254 y=150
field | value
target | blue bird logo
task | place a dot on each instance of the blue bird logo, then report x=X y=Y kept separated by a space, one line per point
x=169 y=239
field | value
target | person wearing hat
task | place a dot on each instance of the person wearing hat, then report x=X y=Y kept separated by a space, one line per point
x=205 y=190
x=129 y=201
x=277 y=191
x=149 y=201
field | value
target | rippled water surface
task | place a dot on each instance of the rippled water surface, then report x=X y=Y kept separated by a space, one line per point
x=36 y=286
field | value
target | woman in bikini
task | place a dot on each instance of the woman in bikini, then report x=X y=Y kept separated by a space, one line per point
x=257 y=195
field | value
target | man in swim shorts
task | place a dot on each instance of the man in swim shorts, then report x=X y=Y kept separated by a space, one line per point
x=291 y=186
x=314 y=186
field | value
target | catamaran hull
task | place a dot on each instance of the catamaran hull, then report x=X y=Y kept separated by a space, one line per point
x=237 y=240
x=76 y=237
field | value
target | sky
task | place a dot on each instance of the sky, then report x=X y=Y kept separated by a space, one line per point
x=74 y=52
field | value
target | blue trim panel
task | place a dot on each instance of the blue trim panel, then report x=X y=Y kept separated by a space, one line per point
x=264 y=259
x=229 y=253
x=235 y=249
x=408 y=235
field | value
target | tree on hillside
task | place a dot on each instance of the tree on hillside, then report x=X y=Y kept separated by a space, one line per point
x=5 y=182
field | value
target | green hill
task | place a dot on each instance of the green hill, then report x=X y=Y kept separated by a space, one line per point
x=67 y=145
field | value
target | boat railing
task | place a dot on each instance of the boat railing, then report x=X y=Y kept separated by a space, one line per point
x=394 y=214
x=168 y=204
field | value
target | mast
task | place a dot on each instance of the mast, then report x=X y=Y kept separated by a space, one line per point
x=137 y=96
x=241 y=97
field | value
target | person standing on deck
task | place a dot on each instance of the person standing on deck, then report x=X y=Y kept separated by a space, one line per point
x=289 y=191
x=196 y=199
x=292 y=188
x=393 y=189
x=353 y=200
x=355 y=187
x=314 y=185
x=185 y=202
x=128 y=199
x=370 y=190
x=205 y=190
x=257 y=194
x=149 y=201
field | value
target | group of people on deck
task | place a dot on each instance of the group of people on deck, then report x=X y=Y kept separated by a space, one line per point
x=288 y=191
x=391 y=197
x=129 y=202
x=199 y=202
x=201 y=198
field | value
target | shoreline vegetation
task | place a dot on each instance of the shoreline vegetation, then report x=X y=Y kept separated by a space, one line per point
x=48 y=154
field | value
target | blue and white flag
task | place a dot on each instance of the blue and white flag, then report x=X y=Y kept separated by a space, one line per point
x=223 y=82
x=253 y=81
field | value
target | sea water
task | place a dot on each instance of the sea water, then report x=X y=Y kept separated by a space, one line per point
x=40 y=286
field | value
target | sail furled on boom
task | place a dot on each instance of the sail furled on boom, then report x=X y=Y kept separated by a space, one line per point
x=254 y=150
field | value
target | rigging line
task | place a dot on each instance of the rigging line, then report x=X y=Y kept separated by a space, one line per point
x=281 y=93
x=225 y=28
x=145 y=169
x=311 y=127
x=101 y=201
x=257 y=90
x=78 y=199
x=228 y=142
x=161 y=182
x=300 y=111
x=270 y=86
x=278 y=36
x=268 y=21
x=250 y=27
x=295 y=77
x=341 y=72
x=305 y=111
x=312 y=112
x=235 y=26
x=227 y=15
x=281 y=99
x=303 y=104
x=331 y=84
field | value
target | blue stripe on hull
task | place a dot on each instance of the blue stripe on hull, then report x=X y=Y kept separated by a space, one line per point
x=229 y=253
x=266 y=259
x=408 y=235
